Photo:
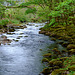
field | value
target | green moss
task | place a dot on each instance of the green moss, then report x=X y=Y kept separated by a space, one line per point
x=57 y=71
x=53 y=39
x=48 y=55
x=72 y=51
x=45 y=60
x=72 y=68
x=71 y=46
x=46 y=71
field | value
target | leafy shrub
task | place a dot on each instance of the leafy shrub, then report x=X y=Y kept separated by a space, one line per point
x=29 y=10
x=62 y=11
x=4 y=22
x=21 y=18
x=14 y=21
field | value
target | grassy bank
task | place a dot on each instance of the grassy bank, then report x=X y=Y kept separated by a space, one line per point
x=58 y=63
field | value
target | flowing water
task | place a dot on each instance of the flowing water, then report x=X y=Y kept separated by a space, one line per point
x=23 y=57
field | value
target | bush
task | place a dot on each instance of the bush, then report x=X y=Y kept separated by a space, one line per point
x=4 y=22
x=14 y=21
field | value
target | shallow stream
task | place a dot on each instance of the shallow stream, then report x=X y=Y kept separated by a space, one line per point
x=23 y=57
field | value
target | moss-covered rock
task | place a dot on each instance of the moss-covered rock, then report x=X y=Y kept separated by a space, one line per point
x=63 y=59
x=58 y=63
x=72 y=63
x=45 y=60
x=48 y=55
x=55 y=62
x=72 y=51
x=53 y=39
x=72 y=68
x=48 y=33
x=56 y=67
x=51 y=62
x=42 y=32
x=46 y=71
x=71 y=46
x=58 y=71
x=64 y=51
x=73 y=36
x=65 y=44
x=56 y=51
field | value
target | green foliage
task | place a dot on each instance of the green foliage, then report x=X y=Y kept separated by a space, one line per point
x=14 y=21
x=29 y=10
x=63 y=8
x=25 y=4
x=52 y=21
x=2 y=9
x=4 y=22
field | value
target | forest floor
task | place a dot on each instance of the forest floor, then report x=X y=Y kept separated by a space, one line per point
x=60 y=62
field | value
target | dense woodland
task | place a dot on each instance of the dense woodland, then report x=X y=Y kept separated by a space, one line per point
x=60 y=18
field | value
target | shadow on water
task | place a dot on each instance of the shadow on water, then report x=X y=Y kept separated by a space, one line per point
x=23 y=57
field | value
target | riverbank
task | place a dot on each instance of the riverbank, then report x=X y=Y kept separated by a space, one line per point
x=60 y=62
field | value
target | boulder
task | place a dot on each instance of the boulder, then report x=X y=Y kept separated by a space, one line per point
x=72 y=51
x=48 y=55
x=53 y=39
x=42 y=32
x=71 y=46
x=65 y=44
x=72 y=68
x=46 y=71
x=45 y=60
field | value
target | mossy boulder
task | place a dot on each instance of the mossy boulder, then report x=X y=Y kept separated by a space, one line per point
x=45 y=60
x=11 y=30
x=3 y=36
x=72 y=63
x=22 y=27
x=72 y=68
x=64 y=51
x=73 y=36
x=53 y=35
x=71 y=46
x=63 y=59
x=56 y=67
x=53 y=39
x=72 y=41
x=51 y=62
x=56 y=51
x=58 y=63
x=64 y=37
x=65 y=44
x=55 y=62
x=60 y=42
x=72 y=51
x=42 y=32
x=46 y=71
x=48 y=55
x=58 y=71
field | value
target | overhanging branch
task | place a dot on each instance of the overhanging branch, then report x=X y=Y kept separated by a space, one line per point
x=17 y=7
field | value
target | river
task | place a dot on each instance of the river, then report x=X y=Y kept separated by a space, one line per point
x=23 y=57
